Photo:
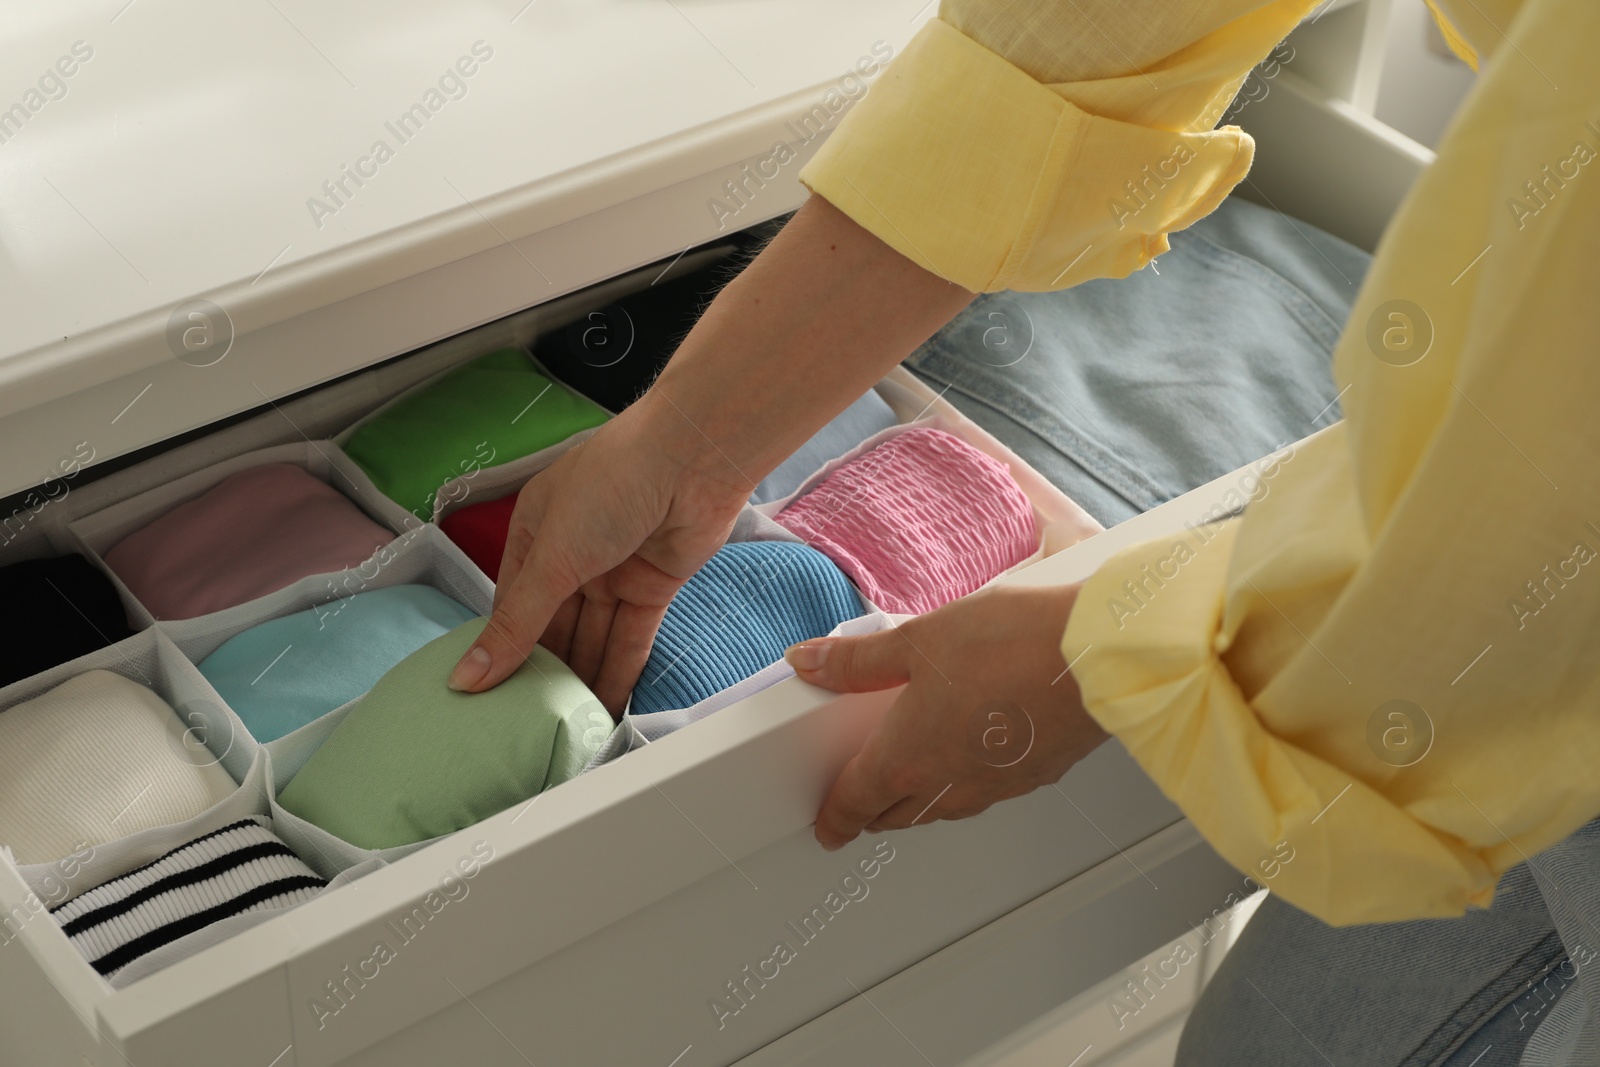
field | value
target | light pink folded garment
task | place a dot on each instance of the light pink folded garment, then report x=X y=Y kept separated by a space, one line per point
x=249 y=535
x=918 y=521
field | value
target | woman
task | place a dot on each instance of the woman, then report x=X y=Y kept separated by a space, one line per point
x=1426 y=558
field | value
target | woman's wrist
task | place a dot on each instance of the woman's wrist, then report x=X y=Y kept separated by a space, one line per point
x=818 y=318
x=686 y=459
x=1052 y=607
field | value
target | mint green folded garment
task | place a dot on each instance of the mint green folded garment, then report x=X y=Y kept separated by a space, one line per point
x=289 y=671
x=489 y=411
x=413 y=759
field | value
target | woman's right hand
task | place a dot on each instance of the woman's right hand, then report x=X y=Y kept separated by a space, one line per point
x=601 y=540
x=599 y=543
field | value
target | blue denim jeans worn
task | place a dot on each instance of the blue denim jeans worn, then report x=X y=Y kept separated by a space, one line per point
x=1504 y=986
x=1126 y=393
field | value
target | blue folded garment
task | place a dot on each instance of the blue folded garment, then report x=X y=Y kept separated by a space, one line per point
x=1126 y=392
x=737 y=615
x=285 y=673
x=853 y=425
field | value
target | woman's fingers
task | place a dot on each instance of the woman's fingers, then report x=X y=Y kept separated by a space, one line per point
x=908 y=812
x=932 y=755
x=930 y=805
x=591 y=636
x=557 y=636
x=841 y=822
x=862 y=794
x=551 y=551
x=633 y=631
x=872 y=787
x=526 y=519
x=854 y=664
x=597 y=520
x=524 y=610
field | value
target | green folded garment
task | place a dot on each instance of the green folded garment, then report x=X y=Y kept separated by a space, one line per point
x=414 y=759
x=490 y=411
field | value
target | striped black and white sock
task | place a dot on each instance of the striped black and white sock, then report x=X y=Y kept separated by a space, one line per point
x=238 y=869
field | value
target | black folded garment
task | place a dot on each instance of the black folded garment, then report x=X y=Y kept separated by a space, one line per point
x=61 y=608
x=613 y=354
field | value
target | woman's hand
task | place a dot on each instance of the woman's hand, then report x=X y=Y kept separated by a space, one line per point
x=602 y=539
x=990 y=711
x=599 y=543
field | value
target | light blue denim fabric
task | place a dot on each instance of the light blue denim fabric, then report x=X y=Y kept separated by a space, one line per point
x=1295 y=991
x=1568 y=1031
x=1127 y=392
x=1505 y=986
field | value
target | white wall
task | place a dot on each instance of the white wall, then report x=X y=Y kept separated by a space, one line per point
x=1422 y=83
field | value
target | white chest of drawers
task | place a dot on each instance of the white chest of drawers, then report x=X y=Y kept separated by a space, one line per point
x=186 y=159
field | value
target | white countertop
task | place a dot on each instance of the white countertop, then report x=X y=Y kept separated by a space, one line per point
x=178 y=158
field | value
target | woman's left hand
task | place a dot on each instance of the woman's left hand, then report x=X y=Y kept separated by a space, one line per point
x=990 y=711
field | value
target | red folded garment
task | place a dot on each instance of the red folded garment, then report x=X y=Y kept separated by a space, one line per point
x=480 y=530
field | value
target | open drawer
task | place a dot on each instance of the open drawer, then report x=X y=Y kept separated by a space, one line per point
x=633 y=915
x=667 y=876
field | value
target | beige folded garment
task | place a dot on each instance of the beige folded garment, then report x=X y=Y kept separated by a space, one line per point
x=97 y=758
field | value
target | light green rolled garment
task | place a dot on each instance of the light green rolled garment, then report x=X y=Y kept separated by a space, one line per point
x=415 y=759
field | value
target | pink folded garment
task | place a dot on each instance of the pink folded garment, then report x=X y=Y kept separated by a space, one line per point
x=249 y=535
x=918 y=521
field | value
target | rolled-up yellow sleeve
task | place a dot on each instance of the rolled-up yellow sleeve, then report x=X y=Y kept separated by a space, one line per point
x=1160 y=635
x=968 y=164
x=1453 y=39
x=1386 y=670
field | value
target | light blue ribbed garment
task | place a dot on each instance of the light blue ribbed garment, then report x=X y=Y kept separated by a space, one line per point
x=737 y=615
x=285 y=673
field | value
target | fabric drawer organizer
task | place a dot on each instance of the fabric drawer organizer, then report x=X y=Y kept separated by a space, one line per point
x=163 y=656
x=151 y=660
x=1061 y=522
x=419 y=555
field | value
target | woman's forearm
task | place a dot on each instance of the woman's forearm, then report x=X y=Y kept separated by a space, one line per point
x=816 y=319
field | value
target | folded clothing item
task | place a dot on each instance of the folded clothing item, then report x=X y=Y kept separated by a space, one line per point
x=736 y=615
x=492 y=410
x=286 y=672
x=853 y=425
x=72 y=609
x=480 y=530
x=251 y=534
x=918 y=521
x=94 y=759
x=613 y=354
x=414 y=759
x=236 y=870
x=1138 y=389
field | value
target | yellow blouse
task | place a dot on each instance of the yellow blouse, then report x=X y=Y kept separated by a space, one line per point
x=1392 y=660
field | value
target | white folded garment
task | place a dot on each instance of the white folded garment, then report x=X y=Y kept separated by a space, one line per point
x=97 y=758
